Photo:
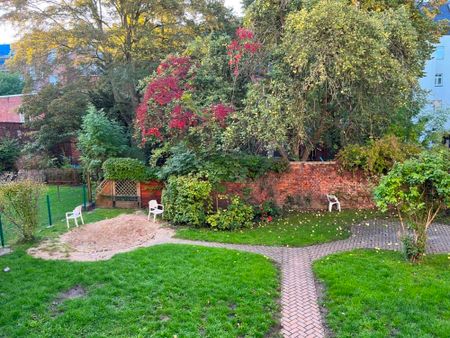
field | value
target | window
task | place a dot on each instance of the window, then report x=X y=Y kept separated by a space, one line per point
x=439 y=53
x=438 y=80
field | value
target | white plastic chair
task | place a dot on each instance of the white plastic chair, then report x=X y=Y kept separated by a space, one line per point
x=75 y=214
x=333 y=200
x=154 y=208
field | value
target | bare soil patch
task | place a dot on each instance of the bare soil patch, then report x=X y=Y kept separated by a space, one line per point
x=104 y=239
x=76 y=292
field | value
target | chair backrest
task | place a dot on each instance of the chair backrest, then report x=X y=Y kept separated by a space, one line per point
x=152 y=204
x=77 y=210
x=332 y=198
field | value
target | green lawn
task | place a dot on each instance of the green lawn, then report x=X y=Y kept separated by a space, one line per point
x=68 y=198
x=299 y=229
x=162 y=291
x=378 y=294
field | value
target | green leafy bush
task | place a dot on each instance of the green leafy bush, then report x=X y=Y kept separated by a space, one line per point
x=124 y=168
x=182 y=162
x=9 y=153
x=187 y=200
x=266 y=211
x=418 y=190
x=219 y=167
x=19 y=205
x=100 y=138
x=378 y=157
x=237 y=215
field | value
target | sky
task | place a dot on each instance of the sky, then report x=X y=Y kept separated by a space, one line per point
x=8 y=33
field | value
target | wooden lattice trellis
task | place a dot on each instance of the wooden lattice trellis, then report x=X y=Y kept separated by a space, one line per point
x=120 y=191
x=125 y=188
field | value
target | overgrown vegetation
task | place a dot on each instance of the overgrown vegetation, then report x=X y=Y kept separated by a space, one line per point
x=417 y=190
x=217 y=167
x=9 y=154
x=378 y=156
x=236 y=216
x=187 y=200
x=117 y=169
x=10 y=83
x=19 y=205
x=378 y=294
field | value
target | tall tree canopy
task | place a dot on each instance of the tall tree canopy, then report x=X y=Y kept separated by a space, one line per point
x=10 y=84
x=119 y=39
x=339 y=72
x=54 y=116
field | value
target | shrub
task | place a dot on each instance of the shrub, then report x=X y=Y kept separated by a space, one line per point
x=418 y=189
x=9 y=153
x=266 y=211
x=125 y=168
x=182 y=162
x=378 y=157
x=220 y=167
x=19 y=205
x=237 y=215
x=187 y=200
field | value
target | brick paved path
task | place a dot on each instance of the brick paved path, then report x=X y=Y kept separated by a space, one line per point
x=300 y=313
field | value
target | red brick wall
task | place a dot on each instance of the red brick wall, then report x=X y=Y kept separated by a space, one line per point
x=305 y=186
x=150 y=191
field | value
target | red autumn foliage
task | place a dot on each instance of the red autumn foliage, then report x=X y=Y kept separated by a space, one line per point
x=162 y=113
x=244 y=44
x=221 y=111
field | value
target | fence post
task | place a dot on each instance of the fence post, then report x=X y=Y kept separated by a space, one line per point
x=2 y=237
x=49 y=212
x=84 y=197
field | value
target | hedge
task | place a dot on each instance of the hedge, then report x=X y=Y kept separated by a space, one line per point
x=120 y=169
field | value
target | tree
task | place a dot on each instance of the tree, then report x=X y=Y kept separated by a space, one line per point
x=338 y=76
x=99 y=139
x=10 y=84
x=418 y=190
x=54 y=116
x=116 y=39
x=9 y=153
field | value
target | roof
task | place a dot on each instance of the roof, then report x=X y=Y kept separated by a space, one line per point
x=9 y=109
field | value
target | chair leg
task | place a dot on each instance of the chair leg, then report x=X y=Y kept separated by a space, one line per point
x=76 y=222
x=154 y=218
x=82 y=220
x=330 y=207
x=148 y=216
x=339 y=207
x=67 y=221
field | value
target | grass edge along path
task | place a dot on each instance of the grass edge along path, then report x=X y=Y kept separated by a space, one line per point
x=162 y=291
x=373 y=293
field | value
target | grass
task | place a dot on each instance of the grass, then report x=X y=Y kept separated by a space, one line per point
x=379 y=294
x=162 y=291
x=66 y=200
x=295 y=230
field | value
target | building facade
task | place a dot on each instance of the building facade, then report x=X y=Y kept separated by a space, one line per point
x=5 y=54
x=436 y=80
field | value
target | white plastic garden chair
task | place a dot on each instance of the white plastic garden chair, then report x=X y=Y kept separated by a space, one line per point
x=75 y=214
x=154 y=208
x=333 y=200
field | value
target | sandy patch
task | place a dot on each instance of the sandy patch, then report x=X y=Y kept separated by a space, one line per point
x=104 y=239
